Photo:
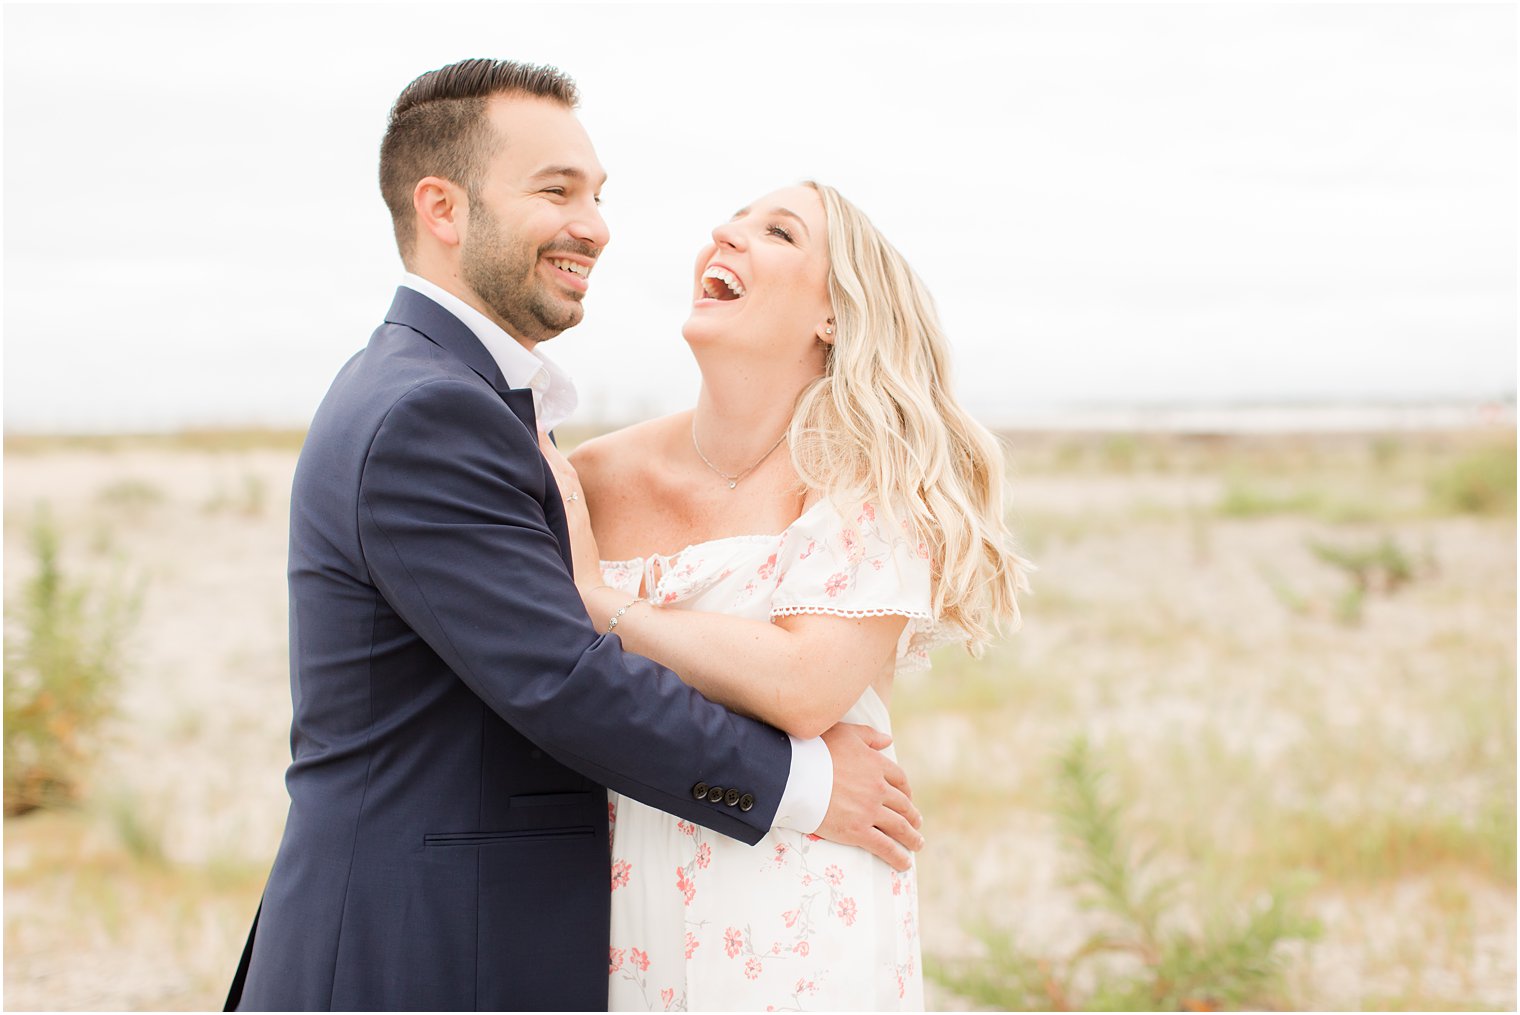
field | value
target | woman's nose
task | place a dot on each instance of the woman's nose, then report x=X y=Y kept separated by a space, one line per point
x=728 y=235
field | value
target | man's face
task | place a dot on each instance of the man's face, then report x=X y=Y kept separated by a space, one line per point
x=534 y=231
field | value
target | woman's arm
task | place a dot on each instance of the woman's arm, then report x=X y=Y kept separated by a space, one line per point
x=799 y=674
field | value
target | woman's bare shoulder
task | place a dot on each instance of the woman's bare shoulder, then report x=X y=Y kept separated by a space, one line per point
x=627 y=455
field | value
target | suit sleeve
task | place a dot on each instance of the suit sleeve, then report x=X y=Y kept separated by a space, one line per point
x=452 y=523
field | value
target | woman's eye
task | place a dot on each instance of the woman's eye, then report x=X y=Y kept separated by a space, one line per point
x=781 y=232
x=560 y=191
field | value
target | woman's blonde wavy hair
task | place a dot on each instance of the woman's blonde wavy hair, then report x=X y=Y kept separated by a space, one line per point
x=882 y=424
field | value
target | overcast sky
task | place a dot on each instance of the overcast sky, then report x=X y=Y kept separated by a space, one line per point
x=1111 y=205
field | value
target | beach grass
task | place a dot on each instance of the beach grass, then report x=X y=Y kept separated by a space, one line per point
x=1254 y=746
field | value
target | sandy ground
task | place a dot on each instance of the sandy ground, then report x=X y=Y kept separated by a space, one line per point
x=1151 y=629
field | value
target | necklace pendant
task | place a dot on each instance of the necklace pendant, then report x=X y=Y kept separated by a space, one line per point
x=732 y=483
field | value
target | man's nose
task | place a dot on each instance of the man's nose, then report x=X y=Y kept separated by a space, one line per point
x=590 y=227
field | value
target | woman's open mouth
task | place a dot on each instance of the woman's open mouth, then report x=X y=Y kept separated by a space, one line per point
x=719 y=283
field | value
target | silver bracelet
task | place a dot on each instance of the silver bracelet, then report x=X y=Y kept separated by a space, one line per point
x=613 y=623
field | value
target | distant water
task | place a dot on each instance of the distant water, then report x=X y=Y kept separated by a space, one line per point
x=1262 y=418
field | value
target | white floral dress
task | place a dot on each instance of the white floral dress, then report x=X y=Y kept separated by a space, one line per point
x=795 y=923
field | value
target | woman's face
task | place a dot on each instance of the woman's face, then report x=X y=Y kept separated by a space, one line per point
x=762 y=283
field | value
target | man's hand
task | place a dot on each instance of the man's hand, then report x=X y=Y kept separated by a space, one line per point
x=870 y=805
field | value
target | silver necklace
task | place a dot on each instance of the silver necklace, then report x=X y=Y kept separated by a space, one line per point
x=733 y=480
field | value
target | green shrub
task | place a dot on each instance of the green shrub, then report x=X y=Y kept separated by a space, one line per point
x=1381 y=567
x=131 y=494
x=247 y=500
x=1481 y=482
x=1243 y=499
x=1143 y=958
x=62 y=668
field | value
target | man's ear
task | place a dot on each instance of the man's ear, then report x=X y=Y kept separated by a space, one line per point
x=442 y=209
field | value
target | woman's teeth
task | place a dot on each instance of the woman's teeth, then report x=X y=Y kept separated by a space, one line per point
x=721 y=284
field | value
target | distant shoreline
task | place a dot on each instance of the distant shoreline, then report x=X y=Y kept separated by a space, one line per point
x=1175 y=420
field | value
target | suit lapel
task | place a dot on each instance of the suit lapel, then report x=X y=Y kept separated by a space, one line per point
x=414 y=310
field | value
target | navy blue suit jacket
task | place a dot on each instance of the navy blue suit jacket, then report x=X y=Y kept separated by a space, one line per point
x=456 y=714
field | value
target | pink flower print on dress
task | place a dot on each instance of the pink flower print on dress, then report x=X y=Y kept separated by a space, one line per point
x=692 y=944
x=704 y=856
x=618 y=575
x=808 y=550
x=837 y=583
x=790 y=917
x=614 y=960
x=854 y=550
x=768 y=568
x=811 y=837
x=753 y=968
x=833 y=875
x=620 y=871
x=639 y=957
x=667 y=996
x=846 y=911
x=686 y=828
x=801 y=948
x=868 y=511
x=687 y=888
x=733 y=941
x=923 y=550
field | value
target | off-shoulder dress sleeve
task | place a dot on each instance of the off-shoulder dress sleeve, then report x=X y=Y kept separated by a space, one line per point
x=854 y=563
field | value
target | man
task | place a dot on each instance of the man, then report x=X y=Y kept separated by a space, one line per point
x=456 y=715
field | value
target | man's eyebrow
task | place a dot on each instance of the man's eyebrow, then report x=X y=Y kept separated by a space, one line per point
x=779 y=211
x=573 y=172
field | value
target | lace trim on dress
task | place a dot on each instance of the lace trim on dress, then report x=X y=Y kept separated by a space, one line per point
x=922 y=635
x=837 y=611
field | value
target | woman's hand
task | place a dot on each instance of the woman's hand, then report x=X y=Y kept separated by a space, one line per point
x=583 y=550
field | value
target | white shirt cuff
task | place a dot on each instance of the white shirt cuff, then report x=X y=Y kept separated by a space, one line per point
x=805 y=801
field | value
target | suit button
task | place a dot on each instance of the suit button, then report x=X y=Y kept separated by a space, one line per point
x=747 y=802
x=715 y=794
x=731 y=797
x=699 y=791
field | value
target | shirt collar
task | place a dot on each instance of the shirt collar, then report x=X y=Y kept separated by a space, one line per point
x=554 y=395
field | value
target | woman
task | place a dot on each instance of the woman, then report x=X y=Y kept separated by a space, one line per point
x=791 y=586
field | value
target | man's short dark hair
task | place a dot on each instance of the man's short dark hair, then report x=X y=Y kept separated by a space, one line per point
x=438 y=127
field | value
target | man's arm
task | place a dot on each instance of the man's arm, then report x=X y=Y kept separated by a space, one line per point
x=454 y=533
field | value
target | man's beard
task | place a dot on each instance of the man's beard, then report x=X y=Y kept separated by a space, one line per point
x=505 y=276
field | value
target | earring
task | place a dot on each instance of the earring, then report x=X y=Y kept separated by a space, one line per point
x=828 y=331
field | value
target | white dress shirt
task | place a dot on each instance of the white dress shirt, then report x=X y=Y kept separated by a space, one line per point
x=810 y=783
